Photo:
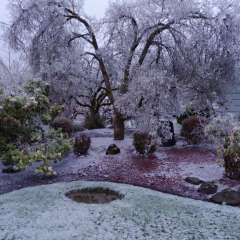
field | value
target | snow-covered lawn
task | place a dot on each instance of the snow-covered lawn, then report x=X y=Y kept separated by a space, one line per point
x=44 y=213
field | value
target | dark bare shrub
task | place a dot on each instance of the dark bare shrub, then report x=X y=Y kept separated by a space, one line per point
x=193 y=129
x=63 y=123
x=82 y=144
x=143 y=143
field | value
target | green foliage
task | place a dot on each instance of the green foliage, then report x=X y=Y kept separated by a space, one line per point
x=35 y=87
x=39 y=92
x=56 y=146
x=231 y=154
x=11 y=155
x=21 y=116
x=55 y=110
x=24 y=139
x=17 y=118
x=10 y=128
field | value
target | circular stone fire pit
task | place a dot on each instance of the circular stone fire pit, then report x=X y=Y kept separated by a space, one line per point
x=94 y=195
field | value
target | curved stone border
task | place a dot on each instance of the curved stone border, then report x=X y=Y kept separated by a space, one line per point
x=45 y=212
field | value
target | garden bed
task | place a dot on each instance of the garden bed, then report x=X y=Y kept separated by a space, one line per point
x=165 y=171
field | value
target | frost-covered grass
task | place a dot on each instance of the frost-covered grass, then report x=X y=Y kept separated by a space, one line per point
x=44 y=212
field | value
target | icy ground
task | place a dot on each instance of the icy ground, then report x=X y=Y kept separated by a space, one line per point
x=165 y=171
x=44 y=213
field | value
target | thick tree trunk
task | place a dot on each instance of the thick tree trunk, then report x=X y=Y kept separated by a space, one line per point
x=93 y=120
x=118 y=126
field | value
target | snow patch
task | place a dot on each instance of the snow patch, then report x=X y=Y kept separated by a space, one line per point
x=204 y=171
x=44 y=212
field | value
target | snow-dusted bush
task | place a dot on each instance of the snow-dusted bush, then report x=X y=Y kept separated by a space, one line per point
x=231 y=155
x=220 y=127
x=55 y=147
x=224 y=132
x=190 y=111
x=82 y=144
x=17 y=118
x=25 y=134
x=193 y=129
x=63 y=123
x=144 y=143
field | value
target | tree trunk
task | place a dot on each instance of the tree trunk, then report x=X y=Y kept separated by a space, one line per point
x=118 y=126
x=93 y=120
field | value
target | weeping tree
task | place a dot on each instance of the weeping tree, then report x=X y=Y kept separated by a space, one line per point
x=38 y=31
x=5 y=74
x=193 y=61
x=131 y=37
x=205 y=64
x=92 y=98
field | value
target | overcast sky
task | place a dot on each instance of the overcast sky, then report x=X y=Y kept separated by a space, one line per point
x=92 y=7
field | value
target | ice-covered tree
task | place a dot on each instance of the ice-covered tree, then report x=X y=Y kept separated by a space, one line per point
x=131 y=32
x=206 y=64
x=191 y=62
x=38 y=30
x=155 y=52
x=92 y=98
